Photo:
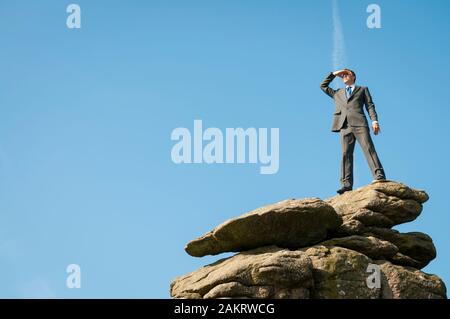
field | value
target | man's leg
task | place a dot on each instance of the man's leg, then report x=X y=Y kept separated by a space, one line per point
x=348 y=145
x=362 y=134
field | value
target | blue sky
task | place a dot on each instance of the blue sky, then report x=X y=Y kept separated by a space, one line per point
x=86 y=115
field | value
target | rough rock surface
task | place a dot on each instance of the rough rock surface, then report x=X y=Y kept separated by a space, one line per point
x=409 y=283
x=290 y=223
x=266 y=272
x=381 y=204
x=417 y=246
x=319 y=249
x=369 y=246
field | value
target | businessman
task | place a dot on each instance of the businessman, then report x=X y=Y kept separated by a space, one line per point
x=349 y=119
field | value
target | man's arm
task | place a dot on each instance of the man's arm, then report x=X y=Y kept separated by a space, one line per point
x=370 y=107
x=324 y=85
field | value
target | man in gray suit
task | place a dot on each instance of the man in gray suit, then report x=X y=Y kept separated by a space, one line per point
x=349 y=119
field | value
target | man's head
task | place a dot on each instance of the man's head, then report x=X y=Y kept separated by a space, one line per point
x=349 y=77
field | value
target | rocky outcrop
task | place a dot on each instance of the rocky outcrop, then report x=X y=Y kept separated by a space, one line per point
x=380 y=204
x=416 y=248
x=311 y=248
x=291 y=223
x=370 y=246
x=267 y=272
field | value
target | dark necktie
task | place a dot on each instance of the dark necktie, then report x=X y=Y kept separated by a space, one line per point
x=349 y=92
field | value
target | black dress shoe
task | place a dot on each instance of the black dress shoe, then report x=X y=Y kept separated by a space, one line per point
x=344 y=189
x=379 y=179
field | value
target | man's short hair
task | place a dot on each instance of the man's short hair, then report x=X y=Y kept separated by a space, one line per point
x=354 y=74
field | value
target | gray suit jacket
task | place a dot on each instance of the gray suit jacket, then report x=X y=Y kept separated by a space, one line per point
x=352 y=109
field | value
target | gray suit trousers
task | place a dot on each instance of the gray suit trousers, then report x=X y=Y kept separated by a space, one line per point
x=349 y=134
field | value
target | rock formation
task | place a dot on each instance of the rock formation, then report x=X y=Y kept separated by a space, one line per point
x=342 y=247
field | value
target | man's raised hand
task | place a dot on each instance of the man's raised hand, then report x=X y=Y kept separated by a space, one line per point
x=340 y=73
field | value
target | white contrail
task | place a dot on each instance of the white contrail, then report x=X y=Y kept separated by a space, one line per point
x=339 y=56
